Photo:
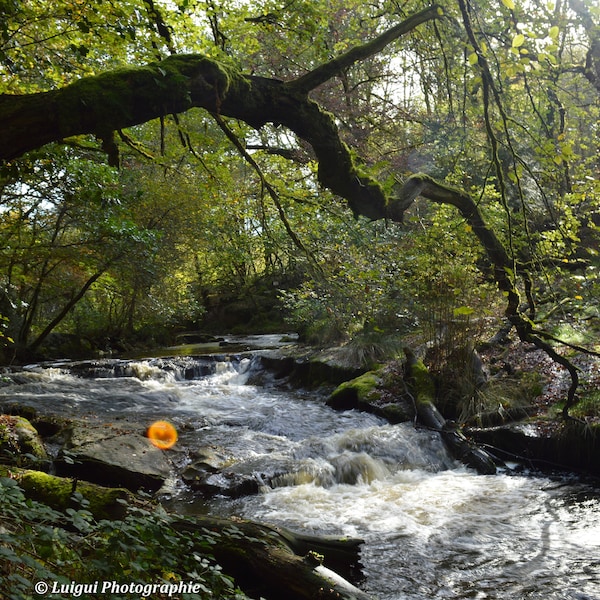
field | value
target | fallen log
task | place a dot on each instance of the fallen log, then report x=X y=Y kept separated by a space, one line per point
x=423 y=391
x=278 y=564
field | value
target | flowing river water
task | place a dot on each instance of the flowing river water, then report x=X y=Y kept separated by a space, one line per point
x=432 y=528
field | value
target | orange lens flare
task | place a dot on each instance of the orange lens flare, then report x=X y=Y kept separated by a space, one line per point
x=162 y=434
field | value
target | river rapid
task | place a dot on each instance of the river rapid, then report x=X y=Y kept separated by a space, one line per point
x=432 y=528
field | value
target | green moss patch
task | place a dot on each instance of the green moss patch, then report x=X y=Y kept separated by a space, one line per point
x=18 y=437
x=359 y=391
x=58 y=492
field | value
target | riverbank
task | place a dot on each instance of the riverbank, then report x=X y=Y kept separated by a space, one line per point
x=510 y=406
x=254 y=445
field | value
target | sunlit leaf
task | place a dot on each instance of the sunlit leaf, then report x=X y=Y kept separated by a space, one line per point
x=463 y=311
x=518 y=40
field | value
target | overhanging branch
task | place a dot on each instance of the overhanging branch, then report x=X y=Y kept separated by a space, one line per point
x=325 y=72
x=427 y=187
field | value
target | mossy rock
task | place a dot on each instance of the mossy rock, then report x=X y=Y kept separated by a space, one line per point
x=397 y=412
x=57 y=492
x=357 y=393
x=421 y=381
x=375 y=393
x=18 y=437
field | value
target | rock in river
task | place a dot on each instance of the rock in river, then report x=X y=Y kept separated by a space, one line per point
x=113 y=456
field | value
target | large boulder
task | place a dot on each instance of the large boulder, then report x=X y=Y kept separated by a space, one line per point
x=213 y=472
x=113 y=456
x=369 y=392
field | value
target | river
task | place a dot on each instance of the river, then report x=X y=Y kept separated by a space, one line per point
x=432 y=528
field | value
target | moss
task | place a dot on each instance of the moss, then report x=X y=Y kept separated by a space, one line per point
x=18 y=437
x=122 y=97
x=57 y=492
x=422 y=382
x=361 y=388
x=357 y=392
x=29 y=439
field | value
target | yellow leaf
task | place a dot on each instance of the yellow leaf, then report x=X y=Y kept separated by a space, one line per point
x=473 y=58
x=518 y=40
x=509 y=4
x=463 y=311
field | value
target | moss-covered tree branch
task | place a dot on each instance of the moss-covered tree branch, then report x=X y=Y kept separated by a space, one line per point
x=504 y=267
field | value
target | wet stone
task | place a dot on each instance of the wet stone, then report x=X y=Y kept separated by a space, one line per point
x=113 y=456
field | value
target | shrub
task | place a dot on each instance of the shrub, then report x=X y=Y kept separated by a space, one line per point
x=38 y=543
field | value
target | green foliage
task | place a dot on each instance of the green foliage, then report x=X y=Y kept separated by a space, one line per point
x=493 y=101
x=42 y=544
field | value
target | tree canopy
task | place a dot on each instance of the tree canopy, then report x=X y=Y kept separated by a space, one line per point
x=167 y=146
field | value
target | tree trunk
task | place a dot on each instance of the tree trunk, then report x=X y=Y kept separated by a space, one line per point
x=423 y=389
x=278 y=564
x=64 y=311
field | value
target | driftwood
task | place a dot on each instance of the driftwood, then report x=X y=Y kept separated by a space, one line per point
x=458 y=445
x=278 y=564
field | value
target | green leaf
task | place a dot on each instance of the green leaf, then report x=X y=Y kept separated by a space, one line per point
x=553 y=32
x=462 y=311
x=473 y=58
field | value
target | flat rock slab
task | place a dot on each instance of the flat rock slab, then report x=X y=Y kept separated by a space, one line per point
x=114 y=456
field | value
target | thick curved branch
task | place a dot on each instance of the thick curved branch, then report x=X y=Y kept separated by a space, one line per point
x=126 y=97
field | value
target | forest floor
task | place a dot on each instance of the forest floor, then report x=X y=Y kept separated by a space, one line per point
x=518 y=358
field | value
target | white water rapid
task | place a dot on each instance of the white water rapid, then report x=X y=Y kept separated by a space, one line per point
x=432 y=528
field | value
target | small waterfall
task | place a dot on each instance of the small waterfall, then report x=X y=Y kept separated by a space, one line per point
x=159 y=369
x=360 y=456
x=347 y=468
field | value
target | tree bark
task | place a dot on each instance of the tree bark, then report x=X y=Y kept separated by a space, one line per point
x=277 y=564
